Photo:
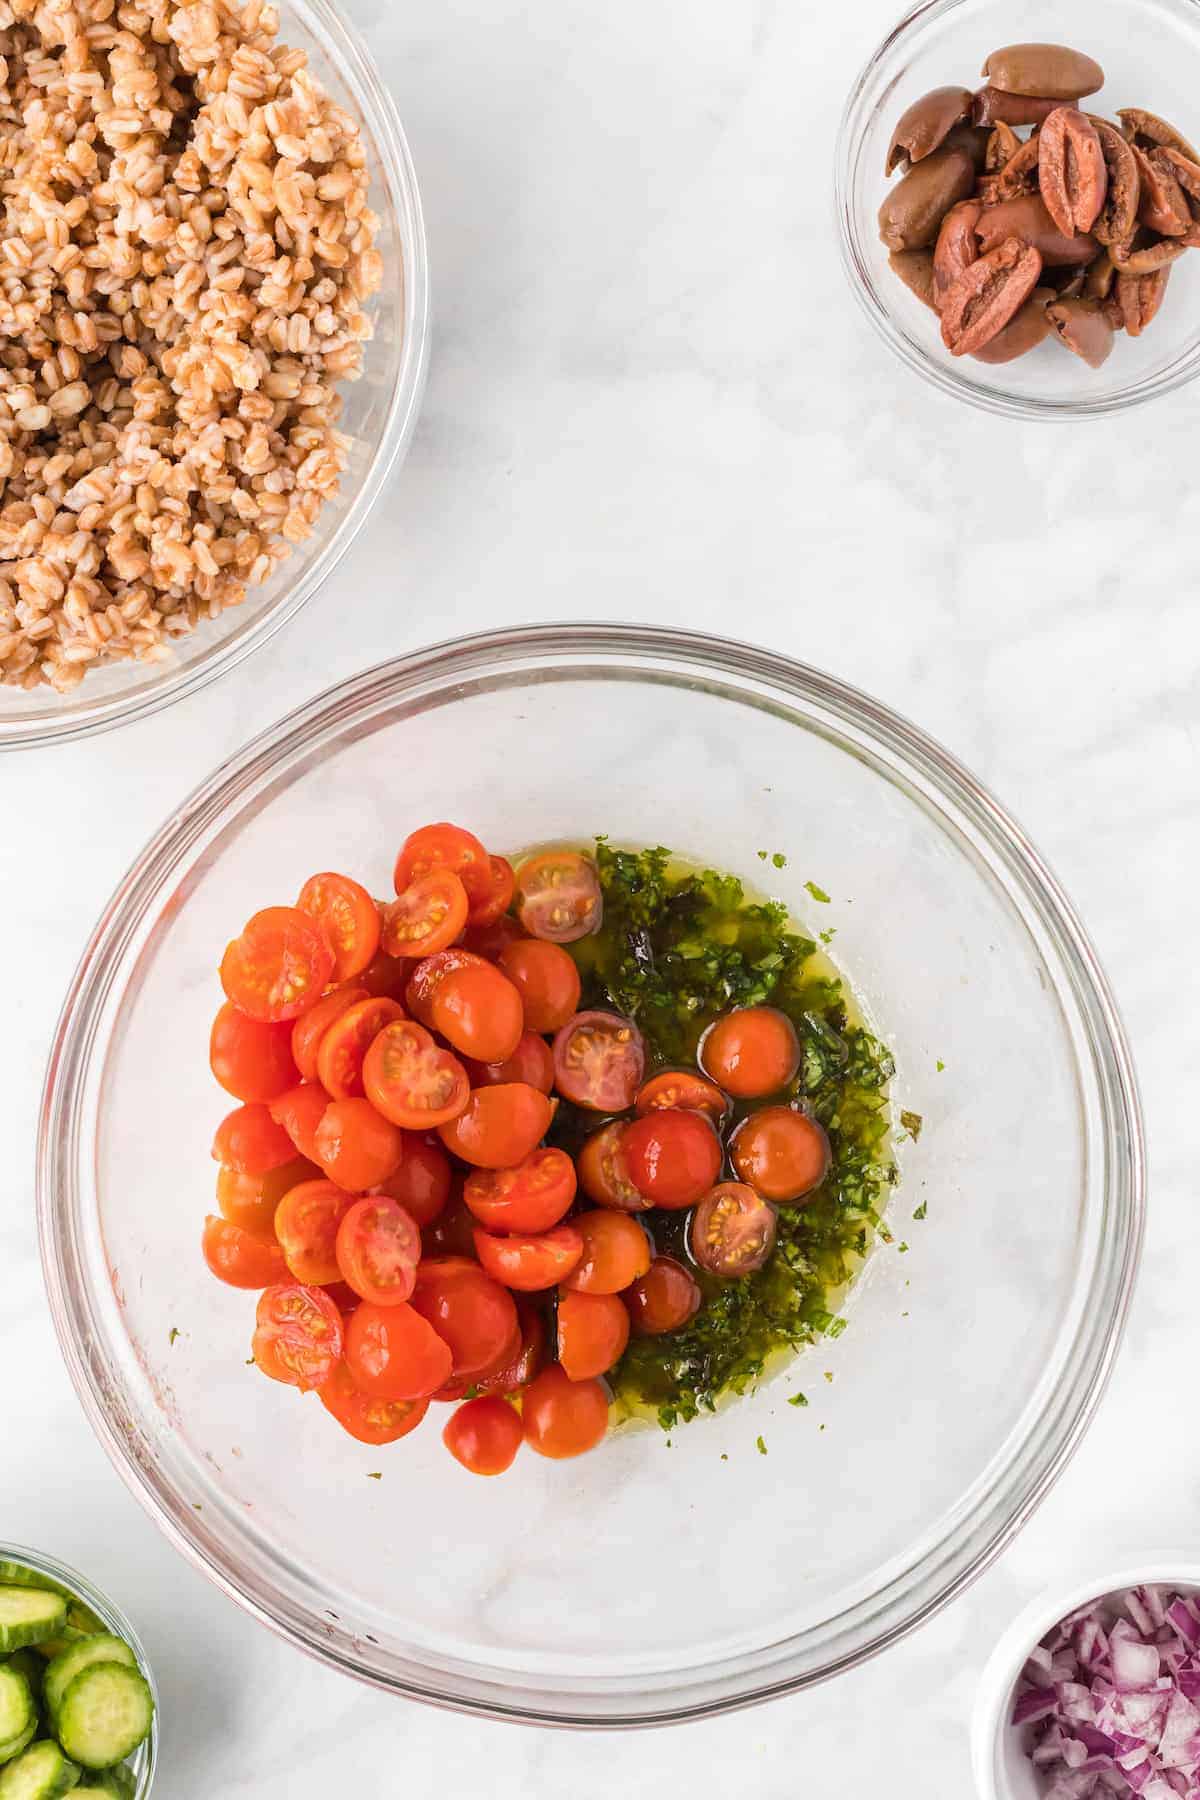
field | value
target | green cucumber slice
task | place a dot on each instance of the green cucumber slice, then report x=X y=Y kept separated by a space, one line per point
x=61 y=1672
x=118 y=1783
x=14 y=1574
x=28 y=1615
x=29 y=1664
x=17 y=1710
x=15 y=1746
x=104 y=1714
x=40 y=1773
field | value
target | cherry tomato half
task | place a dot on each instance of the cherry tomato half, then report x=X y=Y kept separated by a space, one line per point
x=411 y=1081
x=478 y=1012
x=498 y=899
x=348 y=919
x=427 y=916
x=521 y=1361
x=421 y=1185
x=558 y=896
x=531 y=1062
x=615 y=1251
x=378 y=1248
x=561 y=1417
x=445 y=847
x=300 y=1111
x=530 y=1197
x=356 y=1146
x=680 y=1088
x=370 y=1421
x=604 y=1174
x=599 y=1058
x=251 y=1061
x=781 y=1153
x=427 y=976
x=547 y=980
x=278 y=967
x=298 y=1335
x=238 y=1258
x=249 y=1140
x=392 y=1353
x=662 y=1299
x=311 y=1026
x=593 y=1330
x=250 y=1200
x=484 y=1435
x=306 y=1224
x=529 y=1264
x=673 y=1156
x=499 y=1127
x=344 y=1046
x=732 y=1231
x=469 y=1311
x=751 y=1052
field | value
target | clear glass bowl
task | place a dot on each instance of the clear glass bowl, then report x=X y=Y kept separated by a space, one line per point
x=1151 y=58
x=646 y=1582
x=144 y=1760
x=379 y=415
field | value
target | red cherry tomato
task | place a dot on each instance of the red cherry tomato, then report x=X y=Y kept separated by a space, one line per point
x=250 y=1060
x=370 y=1421
x=249 y=1140
x=781 y=1153
x=604 y=1174
x=561 y=1417
x=386 y=977
x=445 y=847
x=547 y=980
x=356 y=1147
x=343 y=1297
x=392 y=1353
x=484 y=1435
x=614 y=1251
x=421 y=1185
x=239 y=1259
x=517 y=1370
x=453 y=1231
x=298 y=1335
x=300 y=1111
x=278 y=967
x=751 y=1052
x=489 y=941
x=311 y=1026
x=558 y=896
x=499 y=1127
x=530 y=1197
x=531 y=1062
x=469 y=1311
x=598 y=1061
x=306 y=1224
x=531 y=1263
x=732 y=1231
x=348 y=919
x=250 y=1200
x=427 y=976
x=427 y=916
x=343 y=1048
x=680 y=1088
x=673 y=1157
x=411 y=1081
x=662 y=1299
x=498 y=899
x=593 y=1330
x=478 y=1012
x=378 y=1248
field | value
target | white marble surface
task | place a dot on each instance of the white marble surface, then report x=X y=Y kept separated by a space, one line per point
x=650 y=399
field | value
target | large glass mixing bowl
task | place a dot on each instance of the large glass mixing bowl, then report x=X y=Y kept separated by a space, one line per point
x=648 y=1581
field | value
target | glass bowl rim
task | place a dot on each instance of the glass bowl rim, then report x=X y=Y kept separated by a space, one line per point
x=637 y=652
x=372 y=97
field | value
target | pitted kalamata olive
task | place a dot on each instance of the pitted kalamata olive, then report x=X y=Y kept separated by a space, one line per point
x=1051 y=71
x=1026 y=218
x=992 y=106
x=915 y=269
x=911 y=216
x=927 y=124
x=1023 y=333
x=1083 y=327
x=1149 y=132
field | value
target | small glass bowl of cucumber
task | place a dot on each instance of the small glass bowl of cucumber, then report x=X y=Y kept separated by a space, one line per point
x=77 y=1699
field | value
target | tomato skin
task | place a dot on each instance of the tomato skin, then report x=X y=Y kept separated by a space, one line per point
x=343 y=1297
x=249 y=1140
x=614 y=1251
x=356 y=1147
x=561 y=1417
x=478 y=1012
x=532 y=1196
x=392 y=1353
x=238 y=1258
x=426 y=916
x=604 y=1173
x=518 y=1370
x=386 y=977
x=370 y=1421
x=558 y=896
x=531 y=1263
x=662 y=1299
x=378 y=1247
x=501 y=882
x=470 y=1312
x=782 y=1153
x=530 y=1062
x=673 y=1157
x=484 y=1435
x=593 y=1330
x=453 y=1231
x=298 y=1335
x=599 y=1059
x=421 y=1185
x=751 y=1052
x=499 y=1127
x=347 y=918
x=278 y=967
x=732 y=1232
x=445 y=847
x=306 y=1224
x=681 y=1088
x=250 y=1200
x=312 y=1025
x=300 y=1111
x=428 y=975
x=547 y=980
x=490 y=941
x=250 y=1060
x=343 y=1048
x=411 y=1081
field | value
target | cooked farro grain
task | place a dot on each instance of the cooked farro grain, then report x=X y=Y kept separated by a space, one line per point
x=185 y=250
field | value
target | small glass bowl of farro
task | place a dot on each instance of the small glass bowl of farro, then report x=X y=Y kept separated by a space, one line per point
x=213 y=338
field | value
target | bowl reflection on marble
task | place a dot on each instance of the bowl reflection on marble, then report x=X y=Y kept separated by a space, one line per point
x=654 y=1580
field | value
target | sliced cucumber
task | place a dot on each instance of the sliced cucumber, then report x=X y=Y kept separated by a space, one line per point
x=72 y=1661
x=104 y=1713
x=40 y=1773
x=18 y=1575
x=15 y=1745
x=118 y=1783
x=29 y=1664
x=17 y=1710
x=27 y=1615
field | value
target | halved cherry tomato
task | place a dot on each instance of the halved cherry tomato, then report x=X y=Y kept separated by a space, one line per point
x=679 y=1087
x=732 y=1231
x=500 y=1126
x=593 y=1330
x=547 y=980
x=238 y=1258
x=300 y=1111
x=250 y=1200
x=781 y=1153
x=674 y=1157
x=278 y=967
x=484 y=1435
x=452 y=1232
x=478 y=1011
x=445 y=847
x=520 y=1368
x=311 y=1026
x=604 y=1174
x=599 y=1058
x=427 y=916
x=386 y=977
x=531 y=1263
x=344 y=1047
x=498 y=899
x=472 y=1313
x=378 y=1248
x=411 y=1081
x=428 y=975
x=529 y=1197
x=251 y=1061
x=392 y=1353
x=306 y=1224
x=356 y=1146
x=370 y=1421
x=531 y=1062
x=752 y=1051
x=249 y=1140
x=615 y=1251
x=561 y=1417
x=348 y=919
x=662 y=1299
x=490 y=941
x=298 y=1335
x=421 y=1185
x=558 y=896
